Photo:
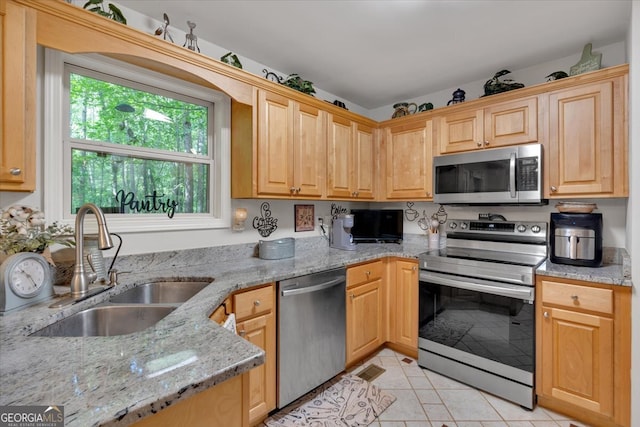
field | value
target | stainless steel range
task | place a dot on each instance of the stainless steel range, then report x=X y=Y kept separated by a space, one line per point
x=476 y=308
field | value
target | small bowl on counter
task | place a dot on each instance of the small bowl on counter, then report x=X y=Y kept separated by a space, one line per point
x=276 y=249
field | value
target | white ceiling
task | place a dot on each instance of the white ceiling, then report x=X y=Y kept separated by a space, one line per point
x=375 y=52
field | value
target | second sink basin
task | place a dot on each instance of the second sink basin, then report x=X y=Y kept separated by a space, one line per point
x=160 y=293
x=105 y=321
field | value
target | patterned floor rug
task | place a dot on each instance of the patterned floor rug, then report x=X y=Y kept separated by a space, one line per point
x=346 y=401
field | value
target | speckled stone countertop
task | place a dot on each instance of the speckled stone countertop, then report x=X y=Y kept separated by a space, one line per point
x=615 y=270
x=114 y=380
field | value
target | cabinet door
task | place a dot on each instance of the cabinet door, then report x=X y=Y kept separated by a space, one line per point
x=223 y=405
x=309 y=151
x=364 y=319
x=255 y=312
x=406 y=304
x=409 y=161
x=584 y=152
x=461 y=131
x=17 y=97
x=511 y=123
x=275 y=144
x=577 y=359
x=339 y=157
x=260 y=331
x=364 y=163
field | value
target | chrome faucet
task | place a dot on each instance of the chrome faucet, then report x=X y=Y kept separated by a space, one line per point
x=81 y=277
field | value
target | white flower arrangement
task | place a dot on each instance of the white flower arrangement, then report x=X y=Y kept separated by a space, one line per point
x=22 y=229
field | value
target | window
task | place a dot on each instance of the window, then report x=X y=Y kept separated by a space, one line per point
x=151 y=151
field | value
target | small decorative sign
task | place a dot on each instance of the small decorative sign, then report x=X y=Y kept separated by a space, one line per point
x=588 y=62
x=149 y=203
x=304 y=217
x=265 y=224
x=337 y=210
x=410 y=213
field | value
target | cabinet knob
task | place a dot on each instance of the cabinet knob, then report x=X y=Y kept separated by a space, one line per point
x=428 y=194
x=256 y=302
x=486 y=143
x=554 y=188
x=546 y=314
x=574 y=297
x=242 y=333
x=414 y=268
x=479 y=144
x=298 y=190
x=357 y=193
x=15 y=171
x=352 y=296
x=292 y=189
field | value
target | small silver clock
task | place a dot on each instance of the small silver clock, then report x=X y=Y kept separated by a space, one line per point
x=25 y=279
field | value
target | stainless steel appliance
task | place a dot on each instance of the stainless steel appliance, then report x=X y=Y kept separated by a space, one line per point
x=476 y=311
x=311 y=332
x=510 y=175
x=576 y=239
x=340 y=237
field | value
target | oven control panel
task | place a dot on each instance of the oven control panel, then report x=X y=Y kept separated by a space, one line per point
x=489 y=229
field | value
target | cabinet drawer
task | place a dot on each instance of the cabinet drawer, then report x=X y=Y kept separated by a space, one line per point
x=253 y=302
x=576 y=296
x=364 y=273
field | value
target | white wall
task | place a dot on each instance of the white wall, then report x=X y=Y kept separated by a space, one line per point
x=633 y=225
x=613 y=54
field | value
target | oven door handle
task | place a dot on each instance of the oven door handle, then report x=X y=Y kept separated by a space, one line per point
x=512 y=175
x=438 y=279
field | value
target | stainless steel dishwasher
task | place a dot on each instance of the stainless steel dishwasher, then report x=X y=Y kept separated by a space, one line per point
x=311 y=332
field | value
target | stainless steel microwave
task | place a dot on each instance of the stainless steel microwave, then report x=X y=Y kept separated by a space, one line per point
x=509 y=175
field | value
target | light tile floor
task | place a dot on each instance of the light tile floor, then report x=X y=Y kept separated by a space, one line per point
x=427 y=399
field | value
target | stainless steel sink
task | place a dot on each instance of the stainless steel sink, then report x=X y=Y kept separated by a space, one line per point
x=107 y=320
x=160 y=293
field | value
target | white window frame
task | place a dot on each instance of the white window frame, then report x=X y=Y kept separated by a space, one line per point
x=57 y=166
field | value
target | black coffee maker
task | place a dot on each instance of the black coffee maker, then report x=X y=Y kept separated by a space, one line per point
x=576 y=239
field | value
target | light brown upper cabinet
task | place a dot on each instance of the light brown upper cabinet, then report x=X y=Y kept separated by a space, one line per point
x=587 y=147
x=351 y=159
x=18 y=97
x=291 y=148
x=505 y=123
x=408 y=160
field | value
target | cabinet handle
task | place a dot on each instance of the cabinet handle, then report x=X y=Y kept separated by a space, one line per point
x=486 y=143
x=292 y=189
x=414 y=268
x=298 y=190
x=479 y=144
x=256 y=302
x=574 y=297
x=554 y=188
x=242 y=333
x=352 y=296
x=367 y=273
x=15 y=171
x=356 y=193
x=546 y=314
x=428 y=194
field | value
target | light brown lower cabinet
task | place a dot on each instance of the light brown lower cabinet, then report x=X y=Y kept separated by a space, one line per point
x=583 y=350
x=403 y=306
x=365 y=310
x=224 y=405
x=256 y=322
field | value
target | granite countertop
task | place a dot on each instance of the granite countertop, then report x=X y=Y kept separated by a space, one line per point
x=114 y=380
x=615 y=270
